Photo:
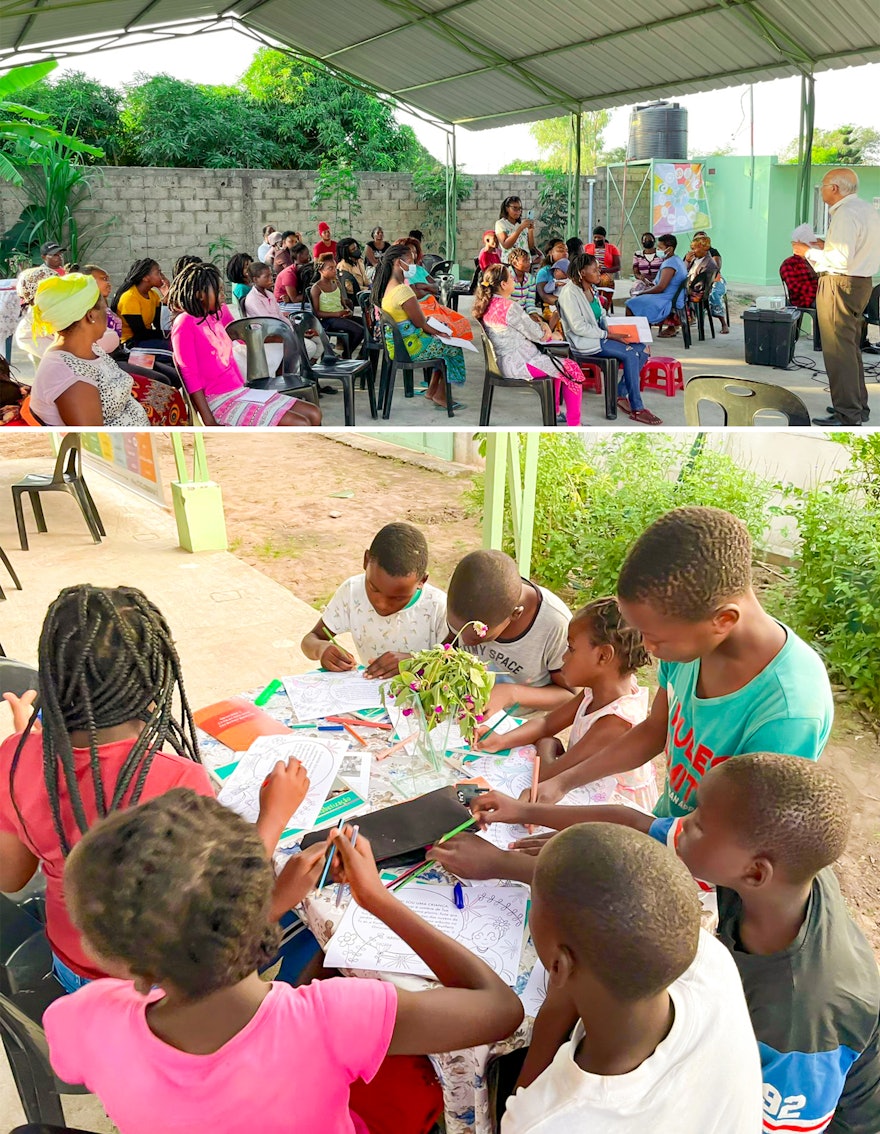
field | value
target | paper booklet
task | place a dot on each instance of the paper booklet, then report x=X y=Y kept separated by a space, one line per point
x=635 y=328
x=324 y=694
x=465 y=344
x=237 y=723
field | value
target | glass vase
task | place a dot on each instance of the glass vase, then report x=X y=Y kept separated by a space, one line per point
x=427 y=768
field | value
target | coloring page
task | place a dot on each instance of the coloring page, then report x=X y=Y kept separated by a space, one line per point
x=490 y=925
x=600 y=791
x=502 y=835
x=444 y=737
x=317 y=695
x=320 y=758
x=509 y=774
x=355 y=770
x=535 y=991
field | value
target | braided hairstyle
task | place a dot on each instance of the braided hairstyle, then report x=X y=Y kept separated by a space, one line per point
x=488 y=287
x=190 y=289
x=106 y=656
x=139 y=271
x=383 y=272
x=607 y=628
x=236 y=267
x=179 y=890
x=184 y=261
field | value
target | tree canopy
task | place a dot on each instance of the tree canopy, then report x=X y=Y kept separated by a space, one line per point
x=844 y=145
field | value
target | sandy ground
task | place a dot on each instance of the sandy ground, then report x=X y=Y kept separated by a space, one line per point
x=285 y=517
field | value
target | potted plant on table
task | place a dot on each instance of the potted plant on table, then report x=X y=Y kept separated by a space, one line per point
x=438 y=690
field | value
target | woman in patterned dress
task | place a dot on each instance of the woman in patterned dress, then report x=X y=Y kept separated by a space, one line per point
x=76 y=382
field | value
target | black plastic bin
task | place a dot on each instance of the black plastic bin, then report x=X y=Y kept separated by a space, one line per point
x=771 y=336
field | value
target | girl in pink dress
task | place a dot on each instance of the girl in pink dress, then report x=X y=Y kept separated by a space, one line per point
x=203 y=353
x=603 y=657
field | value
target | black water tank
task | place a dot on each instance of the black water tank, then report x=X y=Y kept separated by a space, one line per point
x=658 y=130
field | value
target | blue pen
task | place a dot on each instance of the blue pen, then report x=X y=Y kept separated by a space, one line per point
x=458 y=894
x=354 y=839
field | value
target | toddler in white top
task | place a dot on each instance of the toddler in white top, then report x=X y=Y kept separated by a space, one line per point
x=602 y=658
x=391 y=610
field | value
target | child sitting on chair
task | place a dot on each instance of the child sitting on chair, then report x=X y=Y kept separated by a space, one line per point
x=391 y=610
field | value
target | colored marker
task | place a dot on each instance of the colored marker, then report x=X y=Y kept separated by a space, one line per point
x=458 y=894
x=354 y=839
x=269 y=692
x=507 y=713
x=320 y=727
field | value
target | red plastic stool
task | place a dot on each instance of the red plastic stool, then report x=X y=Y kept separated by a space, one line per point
x=592 y=375
x=659 y=373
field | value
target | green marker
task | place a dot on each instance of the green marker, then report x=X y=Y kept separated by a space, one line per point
x=269 y=692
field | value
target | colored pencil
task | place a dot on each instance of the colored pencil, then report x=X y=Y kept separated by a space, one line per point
x=328 y=862
x=423 y=866
x=320 y=727
x=343 y=887
x=360 y=722
x=507 y=713
x=533 y=793
x=354 y=733
x=395 y=747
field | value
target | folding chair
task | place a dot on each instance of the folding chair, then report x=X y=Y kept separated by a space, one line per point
x=253 y=333
x=67 y=477
x=741 y=399
x=342 y=370
x=402 y=361
x=543 y=387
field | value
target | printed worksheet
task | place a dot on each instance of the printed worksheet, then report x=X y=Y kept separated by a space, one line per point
x=509 y=774
x=535 y=992
x=320 y=758
x=491 y=925
x=355 y=770
x=317 y=695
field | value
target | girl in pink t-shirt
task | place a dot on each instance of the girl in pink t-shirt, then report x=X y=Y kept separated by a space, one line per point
x=204 y=357
x=174 y=898
x=603 y=657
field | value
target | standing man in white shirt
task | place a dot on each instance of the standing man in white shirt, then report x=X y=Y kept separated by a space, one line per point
x=846 y=261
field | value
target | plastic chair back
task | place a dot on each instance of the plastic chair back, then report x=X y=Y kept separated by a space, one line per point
x=68 y=463
x=401 y=354
x=440 y=269
x=741 y=399
x=253 y=332
x=17 y=677
x=350 y=287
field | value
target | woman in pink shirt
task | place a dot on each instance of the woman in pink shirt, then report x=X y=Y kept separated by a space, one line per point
x=174 y=898
x=203 y=353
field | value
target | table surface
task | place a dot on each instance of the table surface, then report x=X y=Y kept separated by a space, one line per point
x=461 y=1072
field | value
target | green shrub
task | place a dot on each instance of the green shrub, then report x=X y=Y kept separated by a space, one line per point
x=593 y=502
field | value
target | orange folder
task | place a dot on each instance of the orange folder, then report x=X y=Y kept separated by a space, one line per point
x=237 y=723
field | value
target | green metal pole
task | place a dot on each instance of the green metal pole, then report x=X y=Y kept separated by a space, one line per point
x=575 y=227
x=527 y=504
x=451 y=196
x=496 y=477
x=805 y=148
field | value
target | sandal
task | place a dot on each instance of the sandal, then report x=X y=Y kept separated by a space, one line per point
x=623 y=403
x=442 y=405
x=645 y=417
x=667 y=333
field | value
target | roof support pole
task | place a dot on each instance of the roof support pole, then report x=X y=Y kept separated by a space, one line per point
x=451 y=196
x=805 y=148
x=574 y=216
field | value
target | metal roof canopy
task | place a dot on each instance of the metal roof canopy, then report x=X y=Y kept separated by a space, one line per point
x=487 y=63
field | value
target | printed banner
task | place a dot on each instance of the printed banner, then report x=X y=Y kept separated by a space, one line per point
x=679 y=198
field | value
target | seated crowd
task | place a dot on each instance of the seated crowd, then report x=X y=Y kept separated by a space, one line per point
x=703 y=972
x=153 y=350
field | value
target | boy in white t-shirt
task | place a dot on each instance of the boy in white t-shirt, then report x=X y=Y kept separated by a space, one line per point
x=527 y=632
x=391 y=610
x=662 y=1039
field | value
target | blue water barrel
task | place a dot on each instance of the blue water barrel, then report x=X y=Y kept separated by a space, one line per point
x=658 y=130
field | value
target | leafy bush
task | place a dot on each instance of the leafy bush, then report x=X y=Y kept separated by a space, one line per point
x=429 y=186
x=336 y=193
x=553 y=199
x=593 y=502
x=84 y=107
x=833 y=596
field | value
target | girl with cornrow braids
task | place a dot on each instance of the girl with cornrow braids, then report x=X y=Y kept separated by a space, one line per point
x=110 y=739
x=603 y=657
x=203 y=353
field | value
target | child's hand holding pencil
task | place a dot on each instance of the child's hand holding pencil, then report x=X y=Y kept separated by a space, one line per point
x=355 y=866
x=334 y=658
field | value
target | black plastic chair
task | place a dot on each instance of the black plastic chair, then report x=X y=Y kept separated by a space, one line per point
x=253 y=332
x=700 y=306
x=66 y=477
x=682 y=313
x=610 y=368
x=407 y=366
x=350 y=287
x=811 y=311
x=342 y=370
x=741 y=399
x=27 y=988
x=4 y=558
x=440 y=268
x=430 y=260
x=371 y=347
x=17 y=677
x=543 y=387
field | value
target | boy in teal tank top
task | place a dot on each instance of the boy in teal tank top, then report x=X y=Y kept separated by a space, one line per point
x=731 y=678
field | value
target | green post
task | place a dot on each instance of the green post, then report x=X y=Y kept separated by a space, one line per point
x=451 y=196
x=527 y=504
x=514 y=486
x=197 y=500
x=503 y=470
x=805 y=148
x=493 y=503
x=575 y=226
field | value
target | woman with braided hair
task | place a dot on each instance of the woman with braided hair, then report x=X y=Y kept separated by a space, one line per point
x=137 y=302
x=203 y=353
x=109 y=677
x=604 y=655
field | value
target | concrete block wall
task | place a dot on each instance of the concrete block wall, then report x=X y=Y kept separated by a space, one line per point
x=163 y=213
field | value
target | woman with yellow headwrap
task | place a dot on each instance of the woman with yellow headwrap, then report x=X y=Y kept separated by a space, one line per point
x=701 y=263
x=76 y=382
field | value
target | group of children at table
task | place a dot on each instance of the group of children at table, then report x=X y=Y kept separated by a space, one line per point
x=649 y=1021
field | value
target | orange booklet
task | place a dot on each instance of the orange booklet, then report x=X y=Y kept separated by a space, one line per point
x=237 y=723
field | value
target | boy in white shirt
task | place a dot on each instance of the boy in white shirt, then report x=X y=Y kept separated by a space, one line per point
x=391 y=610
x=662 y=1040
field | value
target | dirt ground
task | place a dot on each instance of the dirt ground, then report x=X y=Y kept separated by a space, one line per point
x=303 y=509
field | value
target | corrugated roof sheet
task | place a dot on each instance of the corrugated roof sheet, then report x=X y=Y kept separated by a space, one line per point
x=485 y=63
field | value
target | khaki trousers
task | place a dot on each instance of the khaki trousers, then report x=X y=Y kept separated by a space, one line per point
x=840 y=302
